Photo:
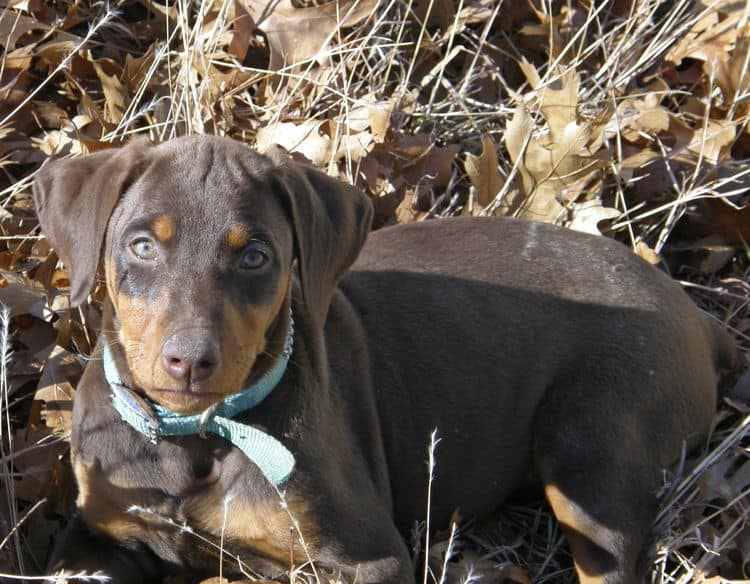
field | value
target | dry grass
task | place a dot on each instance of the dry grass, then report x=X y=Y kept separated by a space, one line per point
x=629 y=118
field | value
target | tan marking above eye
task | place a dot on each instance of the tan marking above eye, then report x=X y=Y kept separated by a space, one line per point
x=238 y=236
x=163 y=228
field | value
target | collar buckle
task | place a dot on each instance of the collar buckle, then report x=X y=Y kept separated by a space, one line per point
x=153 y=434
x=205 y=418
x=289 y=340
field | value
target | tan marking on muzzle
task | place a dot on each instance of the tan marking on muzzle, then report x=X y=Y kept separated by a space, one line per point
x=109 y=278
x=143 y=325
x=141 y=333
x=244 y=337
x=163 y=228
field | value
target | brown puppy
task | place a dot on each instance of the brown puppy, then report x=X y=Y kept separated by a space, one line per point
x=535 y=351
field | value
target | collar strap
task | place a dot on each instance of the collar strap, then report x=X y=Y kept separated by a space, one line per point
x=150 y=419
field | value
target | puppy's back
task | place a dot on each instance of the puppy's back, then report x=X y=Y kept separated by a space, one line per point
x=490 y=317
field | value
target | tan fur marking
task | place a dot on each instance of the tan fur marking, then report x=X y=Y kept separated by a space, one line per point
x=109 y=278
x=104 y=505
x=243 y=337
x=265 y=527
x=238 y=237
x=163 y=228
x=574 y=522
x=142 y=334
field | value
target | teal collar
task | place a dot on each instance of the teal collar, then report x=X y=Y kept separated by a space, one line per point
x=150 y=419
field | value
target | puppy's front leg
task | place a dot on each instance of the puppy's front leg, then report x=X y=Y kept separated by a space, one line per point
x=386 y=567
x=81 y=549
x=366 y=547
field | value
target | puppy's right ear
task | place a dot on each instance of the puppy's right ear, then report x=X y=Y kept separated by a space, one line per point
x=74 y=199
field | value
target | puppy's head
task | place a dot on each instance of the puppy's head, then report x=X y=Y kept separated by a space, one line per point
x=197 y=239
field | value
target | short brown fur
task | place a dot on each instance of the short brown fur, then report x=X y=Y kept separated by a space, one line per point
x=382 y=355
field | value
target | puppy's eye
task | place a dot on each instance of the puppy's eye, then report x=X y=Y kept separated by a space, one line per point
x=253 y=258
x=143 y=248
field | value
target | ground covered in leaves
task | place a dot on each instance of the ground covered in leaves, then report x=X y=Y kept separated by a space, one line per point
x=622 y=118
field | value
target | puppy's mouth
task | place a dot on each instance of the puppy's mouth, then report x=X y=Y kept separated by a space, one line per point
x=185 y=401
x=191 y=396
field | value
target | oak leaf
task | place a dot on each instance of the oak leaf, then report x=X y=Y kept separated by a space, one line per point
x=588 y=215
x=296 y=35
x=483 y=172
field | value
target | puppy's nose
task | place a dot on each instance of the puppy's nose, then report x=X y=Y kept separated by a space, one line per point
x=190 y=358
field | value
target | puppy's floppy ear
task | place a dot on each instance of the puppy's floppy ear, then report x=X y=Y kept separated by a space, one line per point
x=331 y=220
x=74 y=199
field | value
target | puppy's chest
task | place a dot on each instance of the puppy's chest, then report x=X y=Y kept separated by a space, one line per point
x=185 y=498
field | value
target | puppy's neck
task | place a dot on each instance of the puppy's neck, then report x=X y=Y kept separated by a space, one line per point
x=110 y=335
x=276 y=337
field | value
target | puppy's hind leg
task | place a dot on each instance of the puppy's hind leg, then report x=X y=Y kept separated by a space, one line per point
x=601 y=483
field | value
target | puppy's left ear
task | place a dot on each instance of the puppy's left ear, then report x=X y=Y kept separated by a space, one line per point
x=330 y=220
x=74 y=198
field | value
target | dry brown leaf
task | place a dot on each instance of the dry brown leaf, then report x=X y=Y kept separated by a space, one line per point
x=719 y=40
x=556 y=27
x=369 y=114
x=637 y=160
x=68 y=140
x=640 y=115
x=22 y=295
x=704 y=36
x=402 y=172
x=135 y=69
x=354 y=146
x=559 y=105
x=304 y=138
x=115 y=94
x=518 y=133
x=406 y=212
x=36 y=463
x=477 y=11
x=56 y=391
x=705 y=256
x=324 y=141
x=13 y=25
x=530 y=72
x=431 y=168
x=645 y=252
x=556 y=166
x=483 y=172
x=243 y=27
x=380 y=121
x=468 y=562
x=433 y=13
x=732 y=75
x=526 y=201
x=588 y=215
x=296 y=35
x=712 y=142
